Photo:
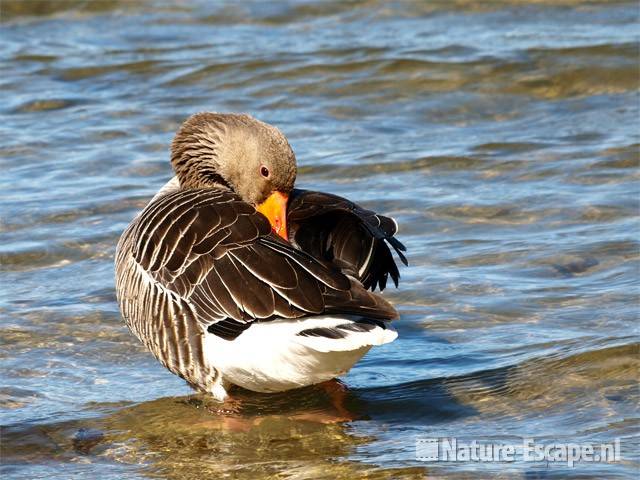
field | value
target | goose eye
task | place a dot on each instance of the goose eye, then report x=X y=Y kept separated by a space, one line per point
x=264 y=171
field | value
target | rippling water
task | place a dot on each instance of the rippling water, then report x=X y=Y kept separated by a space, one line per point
x=503 y=136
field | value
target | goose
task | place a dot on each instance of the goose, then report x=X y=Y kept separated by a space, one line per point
x=230 y=276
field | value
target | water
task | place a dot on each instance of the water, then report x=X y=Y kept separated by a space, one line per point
x=503 y=137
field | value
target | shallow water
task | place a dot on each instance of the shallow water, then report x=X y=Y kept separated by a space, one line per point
x=503 y=137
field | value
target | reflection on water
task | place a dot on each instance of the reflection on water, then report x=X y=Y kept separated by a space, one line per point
x=189 y=437
x=503 y=136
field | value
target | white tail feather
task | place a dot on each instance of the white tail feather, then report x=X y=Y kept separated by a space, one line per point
x=275 y=356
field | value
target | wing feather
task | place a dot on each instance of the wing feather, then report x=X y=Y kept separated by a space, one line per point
x=352 y=238
x=215 y=252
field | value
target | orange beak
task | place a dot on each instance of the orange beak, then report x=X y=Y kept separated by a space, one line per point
x=275 y=209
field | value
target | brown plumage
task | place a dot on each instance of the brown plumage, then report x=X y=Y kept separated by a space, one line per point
x=199 y=261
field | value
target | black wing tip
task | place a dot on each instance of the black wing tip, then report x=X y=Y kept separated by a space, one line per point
x=325 y=332
x=399 y=248
x=228 y=328
x=397 y=244
x=377 y=276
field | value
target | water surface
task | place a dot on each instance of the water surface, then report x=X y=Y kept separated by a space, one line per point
x=503 y=137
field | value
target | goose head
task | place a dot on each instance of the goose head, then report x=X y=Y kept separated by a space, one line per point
x=239 y=153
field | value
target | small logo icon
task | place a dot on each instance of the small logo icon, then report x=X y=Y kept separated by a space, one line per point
x=427 y=449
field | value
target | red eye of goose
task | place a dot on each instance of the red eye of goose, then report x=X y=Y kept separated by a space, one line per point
x=264 y=171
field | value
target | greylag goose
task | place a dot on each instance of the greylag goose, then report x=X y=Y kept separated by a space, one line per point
x=230 y=276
